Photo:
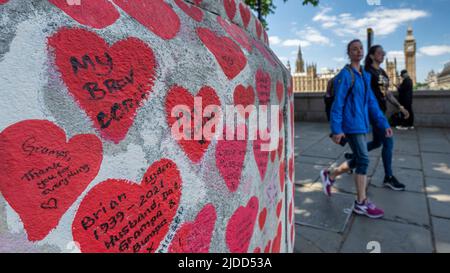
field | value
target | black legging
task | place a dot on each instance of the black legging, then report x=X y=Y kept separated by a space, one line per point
x=409 y=121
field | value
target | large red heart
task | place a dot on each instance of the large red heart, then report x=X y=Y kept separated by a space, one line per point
x=230 y=156
x=276 y=246
x=177 y=96
x=156 y=15
x=236 y=33
x=240 y=227
x=245 y=14
x=262 y=218
x=263 y=86
x=193 y=11
x=230 y=8
x=109 y=83
x=96 y=14
x=245 y=97
x=282 y=175
x=195 y=237
x=3 y=2
x=261 y=156
x=42 y=174
x=121 y=216
x=227 y=53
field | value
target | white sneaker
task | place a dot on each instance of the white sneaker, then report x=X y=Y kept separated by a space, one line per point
x=401 y=128
x=326 y=182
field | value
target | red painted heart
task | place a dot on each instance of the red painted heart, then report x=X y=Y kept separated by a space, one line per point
x=194 y=149
x=109 y=83
x=245 y=97
x=273 y=155
x=280 y=147
x=42 y=174
x=267 y=248
x=230 y=156
x=122 y=216
x=230 y=8
x=3 y=2
x=96 y=14
x=282 y=175
x=156 y=15
x=227 y=53
x=240 y=227
x=257 y=250
x=195 y=237
x=279 y=206
x=263 y=86
x=261 y=156
x=258 y=27
x=266 y=54
x=236 y=33
x=245 y=14
x=194 y=12
x=262 y=218
x=277 y=240
x=280 y=91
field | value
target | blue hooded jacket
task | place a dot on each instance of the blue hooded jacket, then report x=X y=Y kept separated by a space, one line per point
x=353 y=117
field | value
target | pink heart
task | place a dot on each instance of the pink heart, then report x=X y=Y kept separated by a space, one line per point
x=263 y=86
x=42 y=173
x=195 y=237
x=245 y=97
x=240 y=227
x=230 y=155
x=267 y=248
x=261 y=157
x=230 y=8
x=257 y=250
x=245 y=14
x=236 y=33
x=96 y=14
x=156 y=15
x=193 y=11
x=227 y=53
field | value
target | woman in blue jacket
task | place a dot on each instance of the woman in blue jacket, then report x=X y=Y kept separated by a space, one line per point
x=353 y=108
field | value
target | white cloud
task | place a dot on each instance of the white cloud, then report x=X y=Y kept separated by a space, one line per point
x=274 y=40
x=296 y=43
x=383 y=21
x=283 y=59
x=313 y=36
x=435 y=50
x=339 y=59
x=399 y=55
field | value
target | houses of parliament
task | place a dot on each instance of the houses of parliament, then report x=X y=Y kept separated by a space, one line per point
x=310 y=81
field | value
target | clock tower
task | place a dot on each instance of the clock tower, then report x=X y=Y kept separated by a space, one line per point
x=410 y=54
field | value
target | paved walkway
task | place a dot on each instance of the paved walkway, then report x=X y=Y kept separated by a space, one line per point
x=416 y=220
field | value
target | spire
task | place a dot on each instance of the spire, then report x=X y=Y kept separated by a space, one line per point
x=299 y=64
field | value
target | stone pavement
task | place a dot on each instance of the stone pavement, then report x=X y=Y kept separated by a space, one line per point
x=416 y=220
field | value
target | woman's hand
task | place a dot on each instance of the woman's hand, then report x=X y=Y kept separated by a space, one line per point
x=337 y=138
x=404 y=112
x=389 y=132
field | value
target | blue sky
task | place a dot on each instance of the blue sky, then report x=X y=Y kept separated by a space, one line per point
x=323 y=31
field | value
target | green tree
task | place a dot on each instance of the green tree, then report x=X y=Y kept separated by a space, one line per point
x=266 y=7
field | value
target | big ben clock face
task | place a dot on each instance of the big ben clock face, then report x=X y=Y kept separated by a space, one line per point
x=410 y=48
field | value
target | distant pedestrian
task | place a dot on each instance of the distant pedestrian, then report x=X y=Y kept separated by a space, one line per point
x=405 y=96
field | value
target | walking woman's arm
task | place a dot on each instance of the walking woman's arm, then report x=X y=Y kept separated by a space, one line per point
x=341 y=84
